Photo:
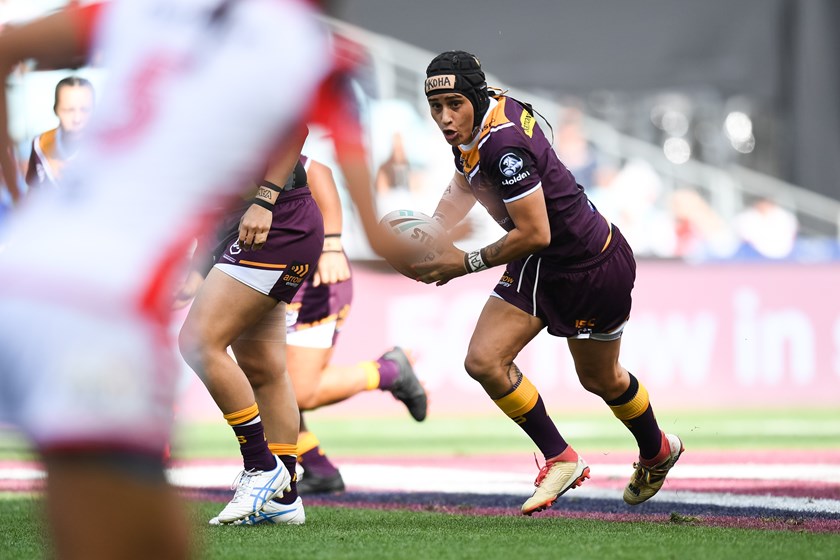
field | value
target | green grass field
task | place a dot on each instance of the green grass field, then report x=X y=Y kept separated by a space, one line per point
x=342 y=532
x=740 y=430
x=470 y=435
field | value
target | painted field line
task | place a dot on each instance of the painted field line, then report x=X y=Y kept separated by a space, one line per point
x=819 y=472
x=431 y=479
x=376 y=477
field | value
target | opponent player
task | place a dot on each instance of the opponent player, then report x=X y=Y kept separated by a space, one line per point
x=86 y=369
x=52 y=149
x=567 y=269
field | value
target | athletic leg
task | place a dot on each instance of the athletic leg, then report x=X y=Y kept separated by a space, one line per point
x=149 y=523
x=501 y=333
x=599 y=371
x=223 y=309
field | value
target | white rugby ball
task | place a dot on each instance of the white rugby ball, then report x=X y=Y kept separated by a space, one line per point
x=424 y=238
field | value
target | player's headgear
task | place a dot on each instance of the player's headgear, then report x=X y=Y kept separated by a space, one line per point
x=459 y=72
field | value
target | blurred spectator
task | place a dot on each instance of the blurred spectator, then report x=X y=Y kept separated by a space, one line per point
x=395 y=172
x=51 y=150
x=574 y=149
x=700 y=232
x=632 y=200
x=767 y=228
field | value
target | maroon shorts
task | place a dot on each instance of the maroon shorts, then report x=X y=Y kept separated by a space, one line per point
x=289 y=256
x=590 y=299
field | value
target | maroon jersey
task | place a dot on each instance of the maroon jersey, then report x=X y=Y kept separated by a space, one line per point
x=511 y=158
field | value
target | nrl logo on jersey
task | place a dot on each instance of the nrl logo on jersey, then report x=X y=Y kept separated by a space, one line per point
x=446 y=81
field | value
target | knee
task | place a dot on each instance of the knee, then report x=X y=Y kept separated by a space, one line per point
x=607 y=386
x=480 y=365
x=191 y=347
x=260 y=370
x=306 y=400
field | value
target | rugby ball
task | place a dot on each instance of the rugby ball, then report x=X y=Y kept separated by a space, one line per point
x=422 y=236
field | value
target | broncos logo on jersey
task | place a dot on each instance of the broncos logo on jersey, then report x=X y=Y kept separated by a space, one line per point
x=510 y=164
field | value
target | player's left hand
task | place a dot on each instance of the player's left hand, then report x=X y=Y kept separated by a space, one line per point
x=441 y=269
x=332 y=268
x=254 y=227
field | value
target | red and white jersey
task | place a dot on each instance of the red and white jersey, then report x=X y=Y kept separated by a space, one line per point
x=198 y=92
x=183 y=120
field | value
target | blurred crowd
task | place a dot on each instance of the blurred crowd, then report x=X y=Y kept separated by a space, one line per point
x=661 y=218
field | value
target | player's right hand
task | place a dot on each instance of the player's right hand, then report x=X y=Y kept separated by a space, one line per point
x=254 y=227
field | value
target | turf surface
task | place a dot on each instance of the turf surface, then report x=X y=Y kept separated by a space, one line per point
x=720 y=430
x=345 y=533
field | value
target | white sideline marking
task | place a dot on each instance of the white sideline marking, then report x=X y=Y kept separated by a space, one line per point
x=434 y=479
x=454 y=480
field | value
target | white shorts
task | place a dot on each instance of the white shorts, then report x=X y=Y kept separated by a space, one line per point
x=319 y=336
x=84 y=381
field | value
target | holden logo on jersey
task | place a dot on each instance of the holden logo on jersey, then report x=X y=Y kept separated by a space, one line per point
x=297 y=271
x=510 y=164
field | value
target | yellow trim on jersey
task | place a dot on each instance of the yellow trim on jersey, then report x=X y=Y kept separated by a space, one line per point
x=283 y=449
x=635 y=408
x=307 y=441
x=520 y=401
x=263 y=265
x=242 y=416
x=527 y=121
x=609 y=236
x=371 y=370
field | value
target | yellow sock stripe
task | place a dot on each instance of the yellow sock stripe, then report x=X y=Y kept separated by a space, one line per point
x=242 y=416
x=521 y=401
x=635 y=408
x=371 y=370
x=307 y=441
x=283 y=449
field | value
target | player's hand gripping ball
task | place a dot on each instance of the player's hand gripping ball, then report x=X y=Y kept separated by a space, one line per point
x=420 y=236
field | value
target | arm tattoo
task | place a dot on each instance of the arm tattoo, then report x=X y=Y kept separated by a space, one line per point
x=493 y=250
x=514 y=376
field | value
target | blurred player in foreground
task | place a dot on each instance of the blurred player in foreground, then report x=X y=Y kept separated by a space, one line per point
x=567 y=269
x=86 y=367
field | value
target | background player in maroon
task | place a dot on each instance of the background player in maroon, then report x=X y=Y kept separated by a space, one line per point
x=313 y=324
x=568 y=270
x=52 y=149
